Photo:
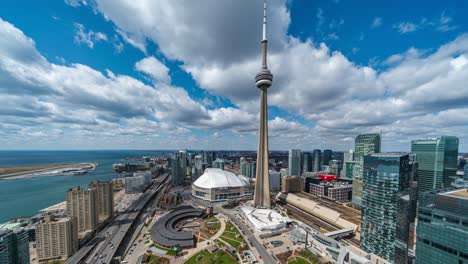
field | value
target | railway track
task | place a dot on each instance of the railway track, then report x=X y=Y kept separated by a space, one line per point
x=316 y=222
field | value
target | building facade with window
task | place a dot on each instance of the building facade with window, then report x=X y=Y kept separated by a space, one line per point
x=442 y=231
x=363 y=145
x=437 y=162
x=386 y=205
x=14 y=246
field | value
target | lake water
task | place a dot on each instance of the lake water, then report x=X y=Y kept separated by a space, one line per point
x=25 y=197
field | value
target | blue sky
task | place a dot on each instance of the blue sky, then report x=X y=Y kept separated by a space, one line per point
x=95 y=74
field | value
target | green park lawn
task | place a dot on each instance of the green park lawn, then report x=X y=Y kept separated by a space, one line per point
x=214 y=226
x=219 y=257
x=229 y=235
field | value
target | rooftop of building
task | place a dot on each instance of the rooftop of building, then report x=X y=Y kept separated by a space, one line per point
x=54 y=219
x=389 y=154
x=462 y=193
x=265 y=219
x=217 y=178
x=7 y=226
x=347 y=213
x=431 y=140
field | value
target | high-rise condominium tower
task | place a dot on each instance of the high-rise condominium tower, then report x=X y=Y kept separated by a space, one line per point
x=82 y=205
x=56 y=238
x=263 y=81
x=364 y=144
x=105 y=199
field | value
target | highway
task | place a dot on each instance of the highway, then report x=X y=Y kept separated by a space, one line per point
x=103 y=247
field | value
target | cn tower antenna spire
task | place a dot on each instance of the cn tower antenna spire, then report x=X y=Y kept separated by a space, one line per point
x=263 y=81
x=264 y=39
x=264 y=20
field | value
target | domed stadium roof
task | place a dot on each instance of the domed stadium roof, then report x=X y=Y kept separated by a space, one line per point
x=217 y=178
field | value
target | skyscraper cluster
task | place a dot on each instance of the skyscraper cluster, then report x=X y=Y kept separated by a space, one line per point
x=248 y=168
x=386 y=186
x=186 y=167
x=301 y=162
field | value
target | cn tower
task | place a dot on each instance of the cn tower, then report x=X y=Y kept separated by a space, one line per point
x=263 y=81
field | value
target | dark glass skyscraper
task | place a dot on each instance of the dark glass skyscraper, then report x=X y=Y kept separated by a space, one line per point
x=177 y=174
x=316 y=160
x=386 y=205
x=327 y=156
x=437 y=160
x=442 y=231
x=14 y=246
x=306 y=162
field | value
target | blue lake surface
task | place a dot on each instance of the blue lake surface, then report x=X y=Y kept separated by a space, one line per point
x=25 y=197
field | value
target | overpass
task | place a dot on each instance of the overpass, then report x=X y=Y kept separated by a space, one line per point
x=340 y=233
x=102 y=248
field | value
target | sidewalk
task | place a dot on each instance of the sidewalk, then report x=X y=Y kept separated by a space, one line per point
x=204 y=245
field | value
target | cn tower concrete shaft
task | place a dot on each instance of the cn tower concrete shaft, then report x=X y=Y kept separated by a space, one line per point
x=262 y=184
x=263 y=81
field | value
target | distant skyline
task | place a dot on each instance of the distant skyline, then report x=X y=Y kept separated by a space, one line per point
x=95 y=74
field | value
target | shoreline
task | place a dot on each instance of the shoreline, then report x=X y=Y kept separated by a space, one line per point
x=48 y=170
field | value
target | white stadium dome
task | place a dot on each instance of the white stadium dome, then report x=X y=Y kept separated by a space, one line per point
x=217 y=178
x=216 y=185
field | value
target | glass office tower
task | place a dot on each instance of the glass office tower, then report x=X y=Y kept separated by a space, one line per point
x=327 y=156
x=363 y=145
x=465 y=174
x=14 y=246
x=437 y=160
x=306 y=162
x=386 y=206
x=442 y=231
x=316 y=160
x=294 y=162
